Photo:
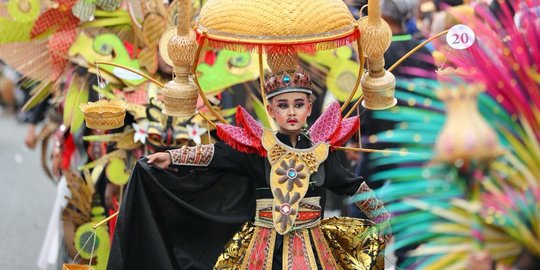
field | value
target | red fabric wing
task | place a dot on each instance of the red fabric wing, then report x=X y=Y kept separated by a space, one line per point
x=240 y=139
x=327 y=124
x=245 y=120
x=347 y=128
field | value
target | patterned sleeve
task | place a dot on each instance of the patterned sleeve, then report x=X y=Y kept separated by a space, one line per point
x=218 y=156
x=371 y=205
x=200 y=155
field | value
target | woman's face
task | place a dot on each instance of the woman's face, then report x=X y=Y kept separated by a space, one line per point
x=290 y=111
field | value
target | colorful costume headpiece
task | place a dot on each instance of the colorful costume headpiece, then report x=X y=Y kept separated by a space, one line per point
x=284 y=82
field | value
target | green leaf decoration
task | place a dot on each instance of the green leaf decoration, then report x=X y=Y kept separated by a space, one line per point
x=101 y=245
x=42 y=91
x=260 y=111
x=14 y=31
x=24 y=10
x=117 y=172
x=102 y=138
x=77 y=94
x=229 y=69
x=106 y=44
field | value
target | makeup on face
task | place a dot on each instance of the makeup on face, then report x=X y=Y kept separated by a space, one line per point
x=290 y=111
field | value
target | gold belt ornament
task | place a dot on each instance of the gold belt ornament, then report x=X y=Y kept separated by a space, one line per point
x=289 y=177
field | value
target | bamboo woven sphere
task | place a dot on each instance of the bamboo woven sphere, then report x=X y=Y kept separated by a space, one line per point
x=275 y=21
x=376 y=33
x=182 y=49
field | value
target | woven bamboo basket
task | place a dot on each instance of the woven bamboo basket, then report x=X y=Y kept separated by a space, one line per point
x=235 y=24
x=378 y=90
x=180 y=97
x=72 y=266
x=104 y=114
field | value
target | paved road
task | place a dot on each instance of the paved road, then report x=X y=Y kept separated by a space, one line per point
x=26 y=199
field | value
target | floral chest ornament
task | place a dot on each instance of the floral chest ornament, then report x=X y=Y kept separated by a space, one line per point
x=289 y=177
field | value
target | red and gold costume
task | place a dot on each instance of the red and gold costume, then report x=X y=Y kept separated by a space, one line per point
x=274 y=194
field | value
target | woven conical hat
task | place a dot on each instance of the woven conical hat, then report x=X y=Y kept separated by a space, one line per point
x=277 y=22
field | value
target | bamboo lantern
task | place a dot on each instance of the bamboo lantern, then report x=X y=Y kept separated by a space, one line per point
x=378 y=85
x=180 y=95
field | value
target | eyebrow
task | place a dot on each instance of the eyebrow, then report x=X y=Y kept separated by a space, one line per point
x=286 y=100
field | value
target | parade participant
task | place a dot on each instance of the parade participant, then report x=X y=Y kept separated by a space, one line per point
x=271 y=183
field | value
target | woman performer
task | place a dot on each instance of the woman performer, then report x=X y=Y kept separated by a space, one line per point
x=266 y=187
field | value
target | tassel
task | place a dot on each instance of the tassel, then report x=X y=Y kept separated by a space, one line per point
x=301 y=47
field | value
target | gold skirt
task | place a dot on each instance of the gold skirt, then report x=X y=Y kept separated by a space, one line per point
x=336 y=243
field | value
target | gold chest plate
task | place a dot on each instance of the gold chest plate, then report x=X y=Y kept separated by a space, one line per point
x=289 y=177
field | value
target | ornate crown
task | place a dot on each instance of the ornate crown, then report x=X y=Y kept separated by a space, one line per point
x=284 y=82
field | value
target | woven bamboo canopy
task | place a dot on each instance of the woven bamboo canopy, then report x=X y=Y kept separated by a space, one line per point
x=307 y=25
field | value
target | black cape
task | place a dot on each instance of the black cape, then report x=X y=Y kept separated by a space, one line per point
x=179 y=222
x=183 y=221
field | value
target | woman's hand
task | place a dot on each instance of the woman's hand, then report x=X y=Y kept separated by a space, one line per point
x=161 y=159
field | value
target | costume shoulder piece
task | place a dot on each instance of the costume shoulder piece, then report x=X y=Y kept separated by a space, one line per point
x=246 y=137
x=290 y=172
x=329 y=128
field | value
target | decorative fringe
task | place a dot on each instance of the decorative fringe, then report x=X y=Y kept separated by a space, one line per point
x=301 y=47
x=239 y=146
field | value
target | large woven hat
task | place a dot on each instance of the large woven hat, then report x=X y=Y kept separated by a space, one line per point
x=306 y=24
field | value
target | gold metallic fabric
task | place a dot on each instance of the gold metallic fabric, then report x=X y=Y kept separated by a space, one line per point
x=251 y=248
x=338 y=243
x=355 y=243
